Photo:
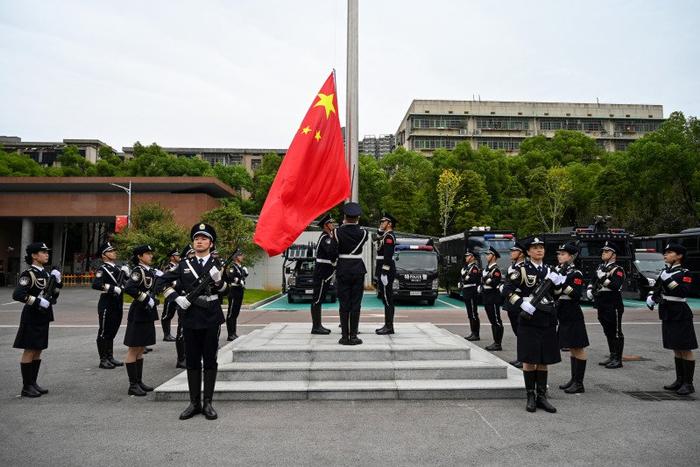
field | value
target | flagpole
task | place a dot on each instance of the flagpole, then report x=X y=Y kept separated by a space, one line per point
x=351 y=117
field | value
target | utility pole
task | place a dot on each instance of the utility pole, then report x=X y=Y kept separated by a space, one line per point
x=128 y=192
x=351 y=117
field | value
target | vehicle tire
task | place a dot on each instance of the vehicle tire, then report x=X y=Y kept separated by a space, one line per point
x=431 y=302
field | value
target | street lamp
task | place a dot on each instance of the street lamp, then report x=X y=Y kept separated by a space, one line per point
x=128 y=192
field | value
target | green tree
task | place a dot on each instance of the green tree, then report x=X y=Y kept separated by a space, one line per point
x=13 y=164
x=447 y=188
x=233 y=230
x=551 y=196
x=474 y=202
x=373 y=186
x=73 y=164
x=263 y=178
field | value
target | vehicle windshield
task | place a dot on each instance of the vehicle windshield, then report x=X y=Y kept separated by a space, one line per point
x=416 y=260
x=306 y=267
x=500 y=245
x=649 y=262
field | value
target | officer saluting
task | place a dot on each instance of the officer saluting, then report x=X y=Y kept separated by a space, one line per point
x=676 y=317
x=37 y=313
x=491 y=297
x=386 y=271
x=202 y=317
x=350 y=272
x=235 y=277
x=109 y=280
x=169 y=306
x=470 y=280
x=606 y=291
x=326 y=259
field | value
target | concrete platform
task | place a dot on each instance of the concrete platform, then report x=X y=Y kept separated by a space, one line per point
x=421 y=361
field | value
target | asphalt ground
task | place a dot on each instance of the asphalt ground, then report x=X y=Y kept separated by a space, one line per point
x=87 y=418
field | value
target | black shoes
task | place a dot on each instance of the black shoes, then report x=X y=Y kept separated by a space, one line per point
x=530 y=381
x=132 y=372
x=109 y=349
x=516 y=364
x=675 y=386
x=345 y=340
x=472 y=337
x=578 y=370
x=320 y=331
x=148 y=350
x=36 y=364
x=139 y=375
x=354 y=340
x=181 y=364
x=102 y=351
x=573 y=375
x=28 y=389
x=384 y=330
x=687 y=387
x=494 y=347
x=169 y=338
x=209 y=383
x=194 y=382
x=542 y=402
x=232 y=337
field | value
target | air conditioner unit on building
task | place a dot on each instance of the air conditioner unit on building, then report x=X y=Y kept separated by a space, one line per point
x=477 y=131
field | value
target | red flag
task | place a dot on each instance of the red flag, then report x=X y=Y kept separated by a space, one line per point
x=312 y=179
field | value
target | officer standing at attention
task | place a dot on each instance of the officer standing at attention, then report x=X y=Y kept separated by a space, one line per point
x=678 y=333
x=235 y=277
x=606 y=291
x=140 y=330
x=109 y=280
x=350 y=272
x=169 y=305
x=470 y=280
x=517 y=257
x=569 y=288
x=387 y=271
x=202 y=317
x=37 y=313
x=491 y=297
x=326 y=260
x=538 y=345
x=187 y=252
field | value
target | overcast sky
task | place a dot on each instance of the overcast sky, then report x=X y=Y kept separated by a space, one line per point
x=243 y=73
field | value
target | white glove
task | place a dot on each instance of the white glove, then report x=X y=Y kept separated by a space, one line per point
x=125 y=269
x=459 y=285
x=159 y=273
x=151 y=303
x=600 y=273
x=665 y=275
x=117 y=290
x=57 y=274
x=480 y=289
x=384 y=279
x=182 y=302
x=44 y=303
x=215 y=274
x=527 y=307
x=555 y=278
x=589 y=294
x=650 y=302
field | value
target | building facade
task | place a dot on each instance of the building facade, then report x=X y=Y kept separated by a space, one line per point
x=433 y=124
x=377 y=146
x=46 y=152
x=249 y=158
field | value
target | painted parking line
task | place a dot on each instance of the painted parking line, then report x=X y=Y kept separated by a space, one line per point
x=449 y=304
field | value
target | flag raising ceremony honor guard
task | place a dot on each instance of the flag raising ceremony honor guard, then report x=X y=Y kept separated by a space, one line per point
x=196 y=284
x=235 y=277
x=491 y=297
x=386 y=270
x=169 y=307
x=110 y=280
x=470 y=278
x=324 y=269
x=37 y=288
x=517 y=257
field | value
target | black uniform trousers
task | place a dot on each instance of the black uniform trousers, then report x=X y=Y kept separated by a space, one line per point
x=201 y=347
x=610 y=310
x=169 y=309
x=470 y=301
x=387 y=297
x=110 y=311
x=321 y=285
x=350 y=289
x=235 y=300
x=493 y=312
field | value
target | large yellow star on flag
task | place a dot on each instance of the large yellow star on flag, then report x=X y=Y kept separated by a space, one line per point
x=326 y=101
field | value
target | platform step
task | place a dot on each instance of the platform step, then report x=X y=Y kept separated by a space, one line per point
x=357 y=353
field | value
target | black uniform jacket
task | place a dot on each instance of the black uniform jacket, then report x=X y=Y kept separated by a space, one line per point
x=351 y=238
x=140 y=287
x=30 y=285
x=672 y=294
x=385 y=254
x=522 y=280
x=326 y=256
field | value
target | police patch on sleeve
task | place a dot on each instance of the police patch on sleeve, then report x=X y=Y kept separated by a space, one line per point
x=135 y=276
x=23 y=281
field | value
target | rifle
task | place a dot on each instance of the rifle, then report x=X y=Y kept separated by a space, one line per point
x=206 y=281
x=656 y=290
x=51 y=292
x=541 y=298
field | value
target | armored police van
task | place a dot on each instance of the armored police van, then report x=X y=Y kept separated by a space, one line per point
x=298 y=274
x=416 y=262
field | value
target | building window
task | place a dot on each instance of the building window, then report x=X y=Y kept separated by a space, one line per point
x=255 y=164
x=621 y=145
x=554 y=124
x=635 y=126
x=433 y=143
x=438 y=122
x=502 y=123
x=507 y=144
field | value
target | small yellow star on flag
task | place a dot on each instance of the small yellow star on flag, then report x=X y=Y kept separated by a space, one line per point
x=318 y=136
x=306 y=130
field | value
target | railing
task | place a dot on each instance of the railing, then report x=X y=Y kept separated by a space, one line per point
x=77 y=280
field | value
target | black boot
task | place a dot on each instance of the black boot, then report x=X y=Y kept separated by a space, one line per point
x=231 y=327
x=474 y=326
x=530 y=379
x=388 y=327
x=610 y=352
x=542 y=401
x=316 y=326
x=616 y=356
x=687 y=387
x=497 y=332
x=577 y=385
x=139 y=375
x=345 y=328
x=194 y=382
x=134 y=388
x=109 y=347
x=167 y=337
x=209 y=383
x=104 y=363
x=573 y=375
x=28 y=389
x=354 y=325
x=674 y=386
x=516 y=363
x=180 y=349
x=36 y=364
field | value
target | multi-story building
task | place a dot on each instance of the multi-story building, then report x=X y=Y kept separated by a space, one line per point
x=46 y=152
x=377 y=146
x=249 y=158
x=432 y=124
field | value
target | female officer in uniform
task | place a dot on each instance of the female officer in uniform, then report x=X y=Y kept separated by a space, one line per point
x=140 y=330
x=491 y=296
x=33 y=332
x=676 y=317
x=572 y=327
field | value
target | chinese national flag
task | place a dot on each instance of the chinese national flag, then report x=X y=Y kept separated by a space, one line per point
x=312 y=179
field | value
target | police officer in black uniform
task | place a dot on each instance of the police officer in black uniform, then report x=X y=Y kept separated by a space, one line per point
x=37 y=313
x=235 y=277
x=517 y=257
x=569 y=288
x=491 y=297
x=470 y=278
x=538 y=345
x=350 y=272
x=678 y=333
x=168 y=305
x=606 y=291
x=140 y=330
x=386 y=270
x=109 y=280
x=202 y=317
x=187 y=252
x=326 y=260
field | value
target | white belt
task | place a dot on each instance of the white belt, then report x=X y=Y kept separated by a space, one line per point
x=324 y=261
x=605 y=289
x=379 y=257
x=674 y=299
x=564 y=297
x=527 y=299
x=487 y=287
x=350 y=256
x=209 y=298
x=468 y=285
